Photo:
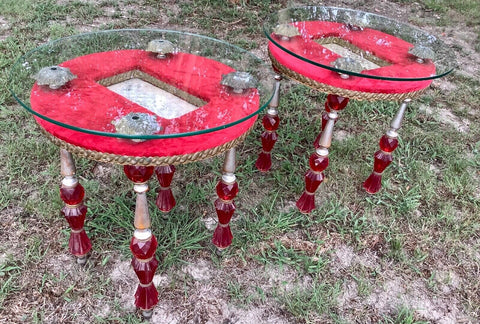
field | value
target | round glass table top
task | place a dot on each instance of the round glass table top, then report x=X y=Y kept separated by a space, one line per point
x=358 y=43
x=141 y=84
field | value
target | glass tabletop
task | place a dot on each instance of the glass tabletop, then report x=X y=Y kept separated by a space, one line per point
x=358 y=43
x=141 y=84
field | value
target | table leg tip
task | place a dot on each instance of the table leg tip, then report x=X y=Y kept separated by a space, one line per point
x=82 y=260
x=147 y=314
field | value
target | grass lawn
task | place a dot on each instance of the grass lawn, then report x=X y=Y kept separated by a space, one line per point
x=409 y=254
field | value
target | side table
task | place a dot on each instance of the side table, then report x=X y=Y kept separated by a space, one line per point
x=348 y=54
x=147 y=100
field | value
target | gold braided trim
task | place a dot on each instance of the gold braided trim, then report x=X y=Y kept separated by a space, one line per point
x=146 y=160
x=358 y=95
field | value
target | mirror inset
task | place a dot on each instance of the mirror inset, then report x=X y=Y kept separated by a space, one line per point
x=158 y=97
x=345 y=49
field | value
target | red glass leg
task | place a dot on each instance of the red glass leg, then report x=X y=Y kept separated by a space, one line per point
x=270 y=122
x=72 y=194
x=227 y=189
x=143 y=244
x=165 y=200
x=383 y=157
x=319 y=160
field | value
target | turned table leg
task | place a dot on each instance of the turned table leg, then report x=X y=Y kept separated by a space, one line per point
x=227 y=189
x=270 y=122
x=383 y=157
x=165 y=200
x=72 y=194
x=143 y=244
x=319 y=160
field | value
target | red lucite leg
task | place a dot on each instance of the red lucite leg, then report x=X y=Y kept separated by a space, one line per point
x=143 y=244
x=319 y=160
x=165 y=200
x=383 y=157
x=270 y=122
x=227 y=189
x=313 y=178
x=72 y=194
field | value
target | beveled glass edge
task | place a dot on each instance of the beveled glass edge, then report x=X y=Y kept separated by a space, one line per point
x=145 y=137
x=331 y=68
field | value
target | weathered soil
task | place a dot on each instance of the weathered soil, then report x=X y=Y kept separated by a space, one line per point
x=197 y=292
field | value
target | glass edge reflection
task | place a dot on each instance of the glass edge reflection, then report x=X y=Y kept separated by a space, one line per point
x=158 y=136
x=267 y=33
x=125 y=136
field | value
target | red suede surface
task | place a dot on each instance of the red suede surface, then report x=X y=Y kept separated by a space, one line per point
x=86 y=104
x=384 y=46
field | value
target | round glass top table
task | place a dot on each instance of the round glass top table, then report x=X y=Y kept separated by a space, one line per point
x=149 y=100
x=349 y=54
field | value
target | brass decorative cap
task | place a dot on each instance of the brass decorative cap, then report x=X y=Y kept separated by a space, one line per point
x=239 y=81
x=422 y=53
x=54 y=76
x=286 y=31
x=137 y=124
x=347 y=64
x=161 y=47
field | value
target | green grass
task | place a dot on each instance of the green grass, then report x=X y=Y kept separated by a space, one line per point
x=423 y=222
x=404 y=316
x=9 y=273
x=307 y=304
x=283 y=256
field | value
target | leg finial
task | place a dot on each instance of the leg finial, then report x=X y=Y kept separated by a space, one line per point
x=227 y=190
x=143 y=244
x=383 y=157
x=319 y=160
x=270 y=122
x=74 y=211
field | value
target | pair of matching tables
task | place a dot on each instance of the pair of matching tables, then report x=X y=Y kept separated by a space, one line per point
x=153 y=99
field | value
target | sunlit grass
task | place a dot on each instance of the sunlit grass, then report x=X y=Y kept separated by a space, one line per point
x=428 y=206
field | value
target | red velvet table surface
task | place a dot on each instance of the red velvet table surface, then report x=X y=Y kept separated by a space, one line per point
x=86 y=104
x=384 y=46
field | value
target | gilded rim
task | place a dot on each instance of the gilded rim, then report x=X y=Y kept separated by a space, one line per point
x=146 y=160
x=358 y=95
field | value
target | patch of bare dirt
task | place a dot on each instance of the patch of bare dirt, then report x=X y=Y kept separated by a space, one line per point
x=397 y=293
x=239 y=291
x=4 y=26
x=389 y=293
x=208 y=299
x=126 y=281
x=447 y=117
x=459 y=38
